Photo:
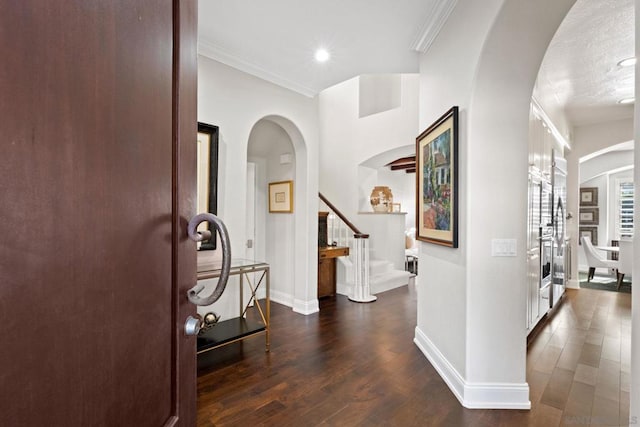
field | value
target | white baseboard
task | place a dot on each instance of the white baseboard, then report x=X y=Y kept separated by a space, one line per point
x=306 y=307
x=281 y=298
x=473 y=395
x=573 y=284
x=446 y=370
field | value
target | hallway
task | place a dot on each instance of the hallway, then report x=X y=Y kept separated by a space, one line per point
x=356 y=364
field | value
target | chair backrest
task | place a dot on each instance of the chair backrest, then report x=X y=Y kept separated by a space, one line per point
x=626 y=256
x=593 y=259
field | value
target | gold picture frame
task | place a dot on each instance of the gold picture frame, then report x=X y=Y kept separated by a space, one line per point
x=281 y=197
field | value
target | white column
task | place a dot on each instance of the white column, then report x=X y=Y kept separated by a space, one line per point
x=361 y=286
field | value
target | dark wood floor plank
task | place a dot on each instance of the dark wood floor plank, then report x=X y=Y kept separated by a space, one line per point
x=356 y=365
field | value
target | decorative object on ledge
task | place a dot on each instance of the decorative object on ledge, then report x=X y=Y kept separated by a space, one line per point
x=396 y=207
x=591 y=232
x=589 y=196
x=381 y=199
x=281 y=197
x=437 y=181
x=589 y=216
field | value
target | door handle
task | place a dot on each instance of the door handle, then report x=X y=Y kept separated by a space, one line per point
x=197 y=236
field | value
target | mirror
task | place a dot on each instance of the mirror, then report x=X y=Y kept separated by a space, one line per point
x=207 y=171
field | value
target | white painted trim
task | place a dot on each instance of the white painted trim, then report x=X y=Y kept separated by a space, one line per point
x=496 y=396
x=446 y=370
x=306 y=307
x=219 y=54
x=430 y=29
x=573 y=284
x=473 y=395
x=281 y=298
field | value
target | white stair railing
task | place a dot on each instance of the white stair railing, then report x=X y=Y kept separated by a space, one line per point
x=343 y=233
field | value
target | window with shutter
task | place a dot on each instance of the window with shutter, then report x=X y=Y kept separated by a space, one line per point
x=625 y=209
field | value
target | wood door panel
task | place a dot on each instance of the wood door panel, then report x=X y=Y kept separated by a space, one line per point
x=89 y=302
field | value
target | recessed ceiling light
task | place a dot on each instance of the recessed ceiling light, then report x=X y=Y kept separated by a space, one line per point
x=628 y=62
x=627 y=101
x=322 y=55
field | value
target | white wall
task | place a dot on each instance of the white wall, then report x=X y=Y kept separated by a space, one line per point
x=235 y=102
x=472 y=309
x=635 y=297
x=348 y=140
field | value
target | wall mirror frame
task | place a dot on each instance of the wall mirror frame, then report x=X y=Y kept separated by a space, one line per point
x=207 y=171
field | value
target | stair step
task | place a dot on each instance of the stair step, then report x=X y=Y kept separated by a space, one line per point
x=389 y=280
x=379 y=266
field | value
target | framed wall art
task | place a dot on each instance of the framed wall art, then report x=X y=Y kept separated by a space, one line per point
x=589 y=196
x=591 y=232
x=281 y=197
x=207 y=177
x=437 y=181
x=589 y=216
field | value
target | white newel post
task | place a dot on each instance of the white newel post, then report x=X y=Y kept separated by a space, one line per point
x=361 y=286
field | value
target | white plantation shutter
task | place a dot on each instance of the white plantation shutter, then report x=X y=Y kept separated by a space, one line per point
x=625 y=209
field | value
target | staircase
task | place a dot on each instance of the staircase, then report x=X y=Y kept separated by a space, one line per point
x=360 y=268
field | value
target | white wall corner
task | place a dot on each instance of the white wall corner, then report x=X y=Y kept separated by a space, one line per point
x=473 y=395
x=306 y=307
x=434 y=22
x=281 y=298
x=446 y=370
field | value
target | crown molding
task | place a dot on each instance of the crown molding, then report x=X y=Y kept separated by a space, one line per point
x=218 y=54
x=436 y=18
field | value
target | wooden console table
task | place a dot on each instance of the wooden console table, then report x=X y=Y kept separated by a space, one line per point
x=241 y=327
x=327 y=268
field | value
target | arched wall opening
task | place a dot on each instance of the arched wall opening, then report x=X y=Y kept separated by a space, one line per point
x=276 y=150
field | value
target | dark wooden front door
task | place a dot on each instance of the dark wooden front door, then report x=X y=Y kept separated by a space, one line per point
x=97 y=183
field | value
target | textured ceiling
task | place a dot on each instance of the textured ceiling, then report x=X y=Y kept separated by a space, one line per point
x=276 y=39
x=580 y=66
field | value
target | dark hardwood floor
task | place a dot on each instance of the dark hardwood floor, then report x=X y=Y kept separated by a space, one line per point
x=356 y=364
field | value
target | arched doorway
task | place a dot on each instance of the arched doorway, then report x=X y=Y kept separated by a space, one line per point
x=277 y=152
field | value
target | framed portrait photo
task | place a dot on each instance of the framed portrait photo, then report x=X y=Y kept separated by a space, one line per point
x=437 y=181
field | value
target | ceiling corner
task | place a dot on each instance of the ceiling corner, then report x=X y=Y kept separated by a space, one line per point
x=216 y=53
x=434 y=22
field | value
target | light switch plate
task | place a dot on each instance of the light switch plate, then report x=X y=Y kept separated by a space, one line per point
x=504 y=247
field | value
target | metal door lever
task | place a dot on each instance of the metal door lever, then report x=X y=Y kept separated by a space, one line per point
x=197 y=236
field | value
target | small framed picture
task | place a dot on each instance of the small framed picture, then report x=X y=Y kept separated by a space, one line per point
x=589 y=216
x=589 y=196
x=281 y=197
x=591 y=232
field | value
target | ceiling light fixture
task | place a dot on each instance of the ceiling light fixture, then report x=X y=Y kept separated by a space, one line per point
x=628 y=62
x=627 y=101
x=322 y=55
